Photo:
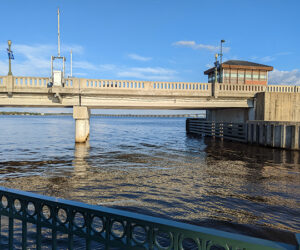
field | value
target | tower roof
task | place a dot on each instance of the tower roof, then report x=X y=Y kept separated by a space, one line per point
x=239 y=64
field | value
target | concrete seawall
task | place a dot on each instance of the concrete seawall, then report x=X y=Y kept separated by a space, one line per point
x=265 y=133
x=274 y=134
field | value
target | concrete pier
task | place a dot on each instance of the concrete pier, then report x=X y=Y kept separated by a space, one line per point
x=81 y=115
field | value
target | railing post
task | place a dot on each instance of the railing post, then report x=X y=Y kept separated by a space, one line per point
x=214 y=89
x=9 y=82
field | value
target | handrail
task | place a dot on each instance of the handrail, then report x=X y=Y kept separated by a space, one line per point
x=111 y=227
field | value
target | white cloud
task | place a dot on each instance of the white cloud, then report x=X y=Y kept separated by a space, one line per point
x=139 y=58
x=34 y=60
x=29 y=60
x=208 y=65
x=84 y=65
x=285 y=77
x=267 y=59
x=107 y=67
x=271 y=58
x=194 y=45
x=76 y=49
x=283 y=53
x=148 y=73
x=191 y=44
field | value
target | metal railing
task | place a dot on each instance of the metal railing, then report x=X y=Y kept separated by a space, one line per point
x=106 y=228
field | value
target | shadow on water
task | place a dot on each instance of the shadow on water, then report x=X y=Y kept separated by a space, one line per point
x=257 y=187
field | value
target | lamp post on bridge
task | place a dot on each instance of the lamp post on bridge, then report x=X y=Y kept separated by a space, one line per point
x=215 y=82
x=221 y=56
x=9 y=57
x=216 y=68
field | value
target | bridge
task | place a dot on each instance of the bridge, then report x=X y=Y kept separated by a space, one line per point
x=18 y=91
x=84 y=94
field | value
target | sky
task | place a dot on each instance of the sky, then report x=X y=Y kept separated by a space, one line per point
x=163 y=40
x=166 y=40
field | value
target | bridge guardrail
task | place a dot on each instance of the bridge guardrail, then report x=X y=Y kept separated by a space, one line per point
x=145 y=85
x=202 y=89
x=26 y=82
x=107 y=227
x=282 y=88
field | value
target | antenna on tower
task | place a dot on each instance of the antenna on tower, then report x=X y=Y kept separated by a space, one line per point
x=58 y=76
x=71 y=63
x=58 y=33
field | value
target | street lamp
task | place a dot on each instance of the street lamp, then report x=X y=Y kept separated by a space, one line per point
x=9 y=57
x=221 y=55
x=216 y=68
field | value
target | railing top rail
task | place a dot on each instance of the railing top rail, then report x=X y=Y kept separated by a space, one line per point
x=40 y=77
x=163 y=224
x=145 y=81
x=130 y=80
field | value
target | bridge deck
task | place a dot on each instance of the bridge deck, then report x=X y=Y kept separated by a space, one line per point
x=97 y=93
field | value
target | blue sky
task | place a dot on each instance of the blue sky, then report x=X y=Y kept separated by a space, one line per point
x=151 y=39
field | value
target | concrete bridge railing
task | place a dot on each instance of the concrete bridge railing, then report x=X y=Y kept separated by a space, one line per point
x=251 y=90
x=153 y=87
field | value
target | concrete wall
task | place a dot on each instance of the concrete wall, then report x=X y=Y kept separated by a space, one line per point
x=228 y=115
x=278 y=107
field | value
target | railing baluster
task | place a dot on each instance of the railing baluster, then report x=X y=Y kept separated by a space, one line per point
x=24 y=226
x=10 y=223
x=70 y=229
x=88 y=230
x=38 y=229
x=53 y=212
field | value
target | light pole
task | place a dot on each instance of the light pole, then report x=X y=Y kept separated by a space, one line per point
x=216 y=69
x=221 y=55
x=9 y=57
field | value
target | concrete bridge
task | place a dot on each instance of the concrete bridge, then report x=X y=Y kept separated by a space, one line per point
x=84 y=94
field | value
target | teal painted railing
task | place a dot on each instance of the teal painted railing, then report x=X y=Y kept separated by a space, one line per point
x=34 y=221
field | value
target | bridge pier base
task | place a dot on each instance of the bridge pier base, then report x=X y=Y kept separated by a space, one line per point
x=229 y=115
x=82 y=123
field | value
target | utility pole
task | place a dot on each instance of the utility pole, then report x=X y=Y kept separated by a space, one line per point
x=58 y=75
x=58 y=47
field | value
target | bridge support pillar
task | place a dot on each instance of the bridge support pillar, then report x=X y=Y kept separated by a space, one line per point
x=82 y=123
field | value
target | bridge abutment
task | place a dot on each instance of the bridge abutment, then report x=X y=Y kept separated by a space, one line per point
x=82 y=123
x=274 y=121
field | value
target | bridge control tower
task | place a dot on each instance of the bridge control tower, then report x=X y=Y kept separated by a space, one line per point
x=240 y=72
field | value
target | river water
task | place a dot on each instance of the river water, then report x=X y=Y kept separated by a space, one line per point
x=151 y=166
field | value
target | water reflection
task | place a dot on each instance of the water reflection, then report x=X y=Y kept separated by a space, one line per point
x=151 y=166
x=81 y=153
